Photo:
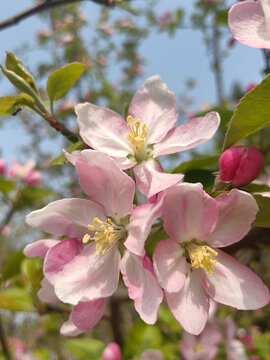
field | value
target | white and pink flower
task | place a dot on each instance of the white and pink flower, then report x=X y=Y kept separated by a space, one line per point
x=110 y=223
x=26 y=172
x=191 y=268
x=147 y=134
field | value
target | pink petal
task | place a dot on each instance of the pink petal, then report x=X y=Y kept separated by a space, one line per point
x=154 y=104
x=68 y=217
x=88 y=276
x=140 y=224
x=236 y=212
x=187 y=136
x=70 y=329
x=189 y=213
x=87 y=314
x=72 y=157
x=138 y=276
x=151 y=179
x=39 y=248
x=190 y=305
x=105 y=183
x=46 y=293
x=103 y=129
x=248 y=24
x=210 y=336
x=151 y=354
x=59 y=255
x=170 y=265
x=232 y=283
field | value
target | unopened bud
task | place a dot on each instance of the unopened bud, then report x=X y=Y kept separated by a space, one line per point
x=240 y=165
x=112 y=352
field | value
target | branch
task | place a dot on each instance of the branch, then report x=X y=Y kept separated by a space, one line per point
x=44 y=6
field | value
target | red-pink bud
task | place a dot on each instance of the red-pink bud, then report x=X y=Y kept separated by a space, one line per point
x=3 y=166
x=240 y=165
x=112 y=352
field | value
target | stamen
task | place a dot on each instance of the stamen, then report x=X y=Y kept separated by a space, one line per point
x=105 y=236
x=200 y=255
x=137 y=136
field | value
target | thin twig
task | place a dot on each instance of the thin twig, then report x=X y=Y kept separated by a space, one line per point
x=115 y=321
x=44 y=6
x=3 y=342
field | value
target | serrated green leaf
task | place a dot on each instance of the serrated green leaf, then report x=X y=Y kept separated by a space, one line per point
x=60 y=160
x=6 y=185
x=12 y=266
x=142 y=337
x=263 y=215
x=60 y=81
x=9 y=104
x=251 y=114
x=16 y=299
x=15 y=65
x=201 y=163
x=86 y=349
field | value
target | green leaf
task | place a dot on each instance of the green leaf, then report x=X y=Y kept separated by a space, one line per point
x=9 y=104
x=31 y=195
x=252 y=187
x=15 y=65
x=16 y=299
x=12 y=266
x=201 y=163
x=86 y=349
x=203 y=176
x=263 y=215
x=6 y=185
x=42 y=354
x=60 y=160
x=60 y=81
x=251 y=114
x=32 y=269
x=142 y=337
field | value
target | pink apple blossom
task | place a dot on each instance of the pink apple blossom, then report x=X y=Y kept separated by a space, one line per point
x=249 y=22
x=112 y=352
x=240 y=165
x=86 y=314
x=26 y=172
x=147 y=134
x=110 y=223
x=235 y=349
x=191 y=268
x=3 y=166
x=202 y=347
x=151 y=354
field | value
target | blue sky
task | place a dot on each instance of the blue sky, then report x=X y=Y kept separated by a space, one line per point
x=175 y=59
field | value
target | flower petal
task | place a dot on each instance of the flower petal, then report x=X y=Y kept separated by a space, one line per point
x=143 y=288
x=151 y=179
x=248 y=24
x=232 y=283
x=103 y=129
x=68 y=217
x=46 y=293
x=88 y=276
x=236 y=212
x=70 y=329
x=87 y=314
x=170 y=265
x=190 y=305
x=59 y=255
x=140 y=224
x=154 y=104
x=105 y=183
x=189 y=135
x=39 y=248
x=189 y=213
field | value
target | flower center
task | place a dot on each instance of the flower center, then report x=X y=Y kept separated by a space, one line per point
x=198 y=348
x=136 y=138
x=106 y=234
x=200 y=255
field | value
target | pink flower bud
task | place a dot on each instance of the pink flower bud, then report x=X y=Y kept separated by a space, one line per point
x=33 y=178
x=240 y=165
x=3 y=166
x=112 y=352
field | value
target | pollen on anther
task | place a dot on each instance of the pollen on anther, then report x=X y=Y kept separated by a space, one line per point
x=86 y=238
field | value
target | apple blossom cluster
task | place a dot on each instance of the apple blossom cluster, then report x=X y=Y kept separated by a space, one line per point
x=97 y=239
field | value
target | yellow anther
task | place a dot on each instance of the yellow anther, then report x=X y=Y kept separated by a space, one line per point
x=90 y=227
x=86 y=238
x=109 y=221
x=198 y=348
x=200 y=255
x=136 y=137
